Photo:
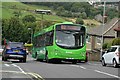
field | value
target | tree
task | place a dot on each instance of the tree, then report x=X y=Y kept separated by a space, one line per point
x=79 y=21
x=83 y=15
x=29 y=18
x=17 y=13
x=61 y=8
x=14 y=30
x=29 y=22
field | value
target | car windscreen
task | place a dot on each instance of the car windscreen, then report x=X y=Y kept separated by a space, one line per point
x=16 y=45
x=112 y=49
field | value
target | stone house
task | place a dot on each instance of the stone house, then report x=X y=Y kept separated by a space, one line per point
x=109 y=32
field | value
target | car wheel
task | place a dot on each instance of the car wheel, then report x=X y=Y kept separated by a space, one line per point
x=24 y=60
x=20 y=60
x=4 y=59
x=103 y=62
x=115 y=63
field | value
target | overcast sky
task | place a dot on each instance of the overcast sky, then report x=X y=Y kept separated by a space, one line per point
x=60 y=0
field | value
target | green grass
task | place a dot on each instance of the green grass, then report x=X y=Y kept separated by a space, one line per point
x=49 y=17
x=8 y=8
x=17 y=5
x=89 y=22
x=0 y=10
x=7 y=13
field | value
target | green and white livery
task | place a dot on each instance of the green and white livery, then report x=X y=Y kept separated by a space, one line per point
x=61 y=41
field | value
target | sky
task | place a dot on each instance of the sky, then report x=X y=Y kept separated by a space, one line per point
x=59 y=0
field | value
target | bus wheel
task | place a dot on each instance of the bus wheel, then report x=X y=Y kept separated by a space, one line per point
x=46 y=58
x=36 y=56
x=57 y=61
x=74 y=62
x=86 y=60
x=41 y=60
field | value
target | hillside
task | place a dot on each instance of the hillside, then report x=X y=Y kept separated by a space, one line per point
x=10 y=8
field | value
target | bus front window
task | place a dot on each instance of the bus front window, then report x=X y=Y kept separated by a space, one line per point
x=69 y=39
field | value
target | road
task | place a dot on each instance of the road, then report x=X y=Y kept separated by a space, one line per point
x=42 y=70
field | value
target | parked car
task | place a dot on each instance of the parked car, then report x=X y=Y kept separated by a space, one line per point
x=112 y=56
x=14 y=50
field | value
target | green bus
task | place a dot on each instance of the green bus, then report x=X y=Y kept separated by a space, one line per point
x=61 y=41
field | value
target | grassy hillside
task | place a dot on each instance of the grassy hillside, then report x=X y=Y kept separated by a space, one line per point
x=87 y=22
x=8 y=9
x=91 y=23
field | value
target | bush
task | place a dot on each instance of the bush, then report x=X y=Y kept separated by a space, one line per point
x=109 y=45
x=104 y=45
x=116 y=41
x=79 y=21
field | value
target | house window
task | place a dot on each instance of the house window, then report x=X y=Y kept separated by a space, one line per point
x=98 y=40
x=88 y=39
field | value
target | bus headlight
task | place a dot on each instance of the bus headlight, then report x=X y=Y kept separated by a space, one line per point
x=42 y=51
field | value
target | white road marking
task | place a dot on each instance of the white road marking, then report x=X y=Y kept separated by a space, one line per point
x=93 y=64
x=19 y=68
x=82 y=67
x=32 y=74
x=107 y=74
x=7 y=65
x=78 y=66
x=74 y=65
x=36 y=75
x=11 y=71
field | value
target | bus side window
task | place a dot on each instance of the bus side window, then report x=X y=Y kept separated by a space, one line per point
x=49 y=38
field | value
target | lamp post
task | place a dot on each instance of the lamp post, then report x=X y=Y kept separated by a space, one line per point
x=31 y=33
x=42 y=19
x=102 y=39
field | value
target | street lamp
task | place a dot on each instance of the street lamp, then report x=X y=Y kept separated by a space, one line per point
x=42 y=19
x=31 y=33
x=102 y=41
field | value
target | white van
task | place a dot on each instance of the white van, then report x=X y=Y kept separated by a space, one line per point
x=112 y=56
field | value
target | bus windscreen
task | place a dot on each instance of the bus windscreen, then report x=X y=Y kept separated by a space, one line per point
x=70 y=36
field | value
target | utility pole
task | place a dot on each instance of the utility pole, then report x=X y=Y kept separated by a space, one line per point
x=1 y=26
x=0 y=34
x=102 y=39
x=31 y=34
x=42 y=20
